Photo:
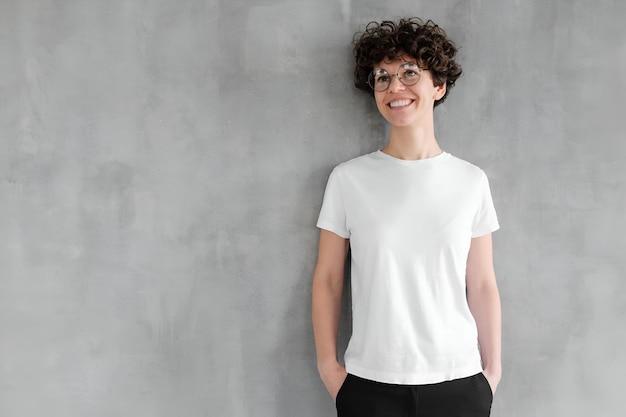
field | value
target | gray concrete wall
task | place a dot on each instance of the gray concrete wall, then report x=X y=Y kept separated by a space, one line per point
x=162 y=168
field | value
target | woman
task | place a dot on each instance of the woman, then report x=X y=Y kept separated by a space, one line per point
x=418 y=222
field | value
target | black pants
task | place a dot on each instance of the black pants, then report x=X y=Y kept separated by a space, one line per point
x=464 y=397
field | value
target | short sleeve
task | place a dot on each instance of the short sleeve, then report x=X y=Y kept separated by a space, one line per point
x=485 y=219
x=333 y=213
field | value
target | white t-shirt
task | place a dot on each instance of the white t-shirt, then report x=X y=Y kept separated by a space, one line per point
x=410 y=225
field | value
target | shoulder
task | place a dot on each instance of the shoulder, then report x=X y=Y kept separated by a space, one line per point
x=465 y=168
x=356 y=164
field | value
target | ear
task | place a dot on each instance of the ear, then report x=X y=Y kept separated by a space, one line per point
x=440 y=91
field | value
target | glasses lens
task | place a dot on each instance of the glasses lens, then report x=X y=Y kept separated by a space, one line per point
x=409 y=73
x=379 y=80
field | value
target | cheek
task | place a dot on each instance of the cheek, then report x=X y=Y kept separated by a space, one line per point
x=379 y=101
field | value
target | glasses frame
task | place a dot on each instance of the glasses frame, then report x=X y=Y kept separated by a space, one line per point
x=406 y=65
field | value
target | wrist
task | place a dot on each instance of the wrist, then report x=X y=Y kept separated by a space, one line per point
x=493 y=369
x=327 y=363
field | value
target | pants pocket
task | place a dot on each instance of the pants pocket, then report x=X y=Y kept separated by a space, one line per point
x=341 y=390
x=486 y=386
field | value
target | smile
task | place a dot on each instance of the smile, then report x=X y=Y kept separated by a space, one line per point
x=400 y=103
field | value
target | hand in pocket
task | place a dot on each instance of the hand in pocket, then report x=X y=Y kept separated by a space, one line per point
x=333 y=378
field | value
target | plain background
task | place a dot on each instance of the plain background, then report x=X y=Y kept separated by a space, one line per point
x=162 y=168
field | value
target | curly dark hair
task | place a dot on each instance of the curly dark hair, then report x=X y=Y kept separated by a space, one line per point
x=424 y=41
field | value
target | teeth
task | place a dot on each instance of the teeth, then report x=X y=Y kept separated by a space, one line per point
x=400 y=103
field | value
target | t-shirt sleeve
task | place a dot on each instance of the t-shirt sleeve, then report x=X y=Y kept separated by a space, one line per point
x=485 y=220
x=333 y=213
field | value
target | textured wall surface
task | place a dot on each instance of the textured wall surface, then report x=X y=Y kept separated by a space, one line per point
x=162 y=167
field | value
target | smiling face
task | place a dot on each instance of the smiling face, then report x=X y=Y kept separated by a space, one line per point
x=403 y=105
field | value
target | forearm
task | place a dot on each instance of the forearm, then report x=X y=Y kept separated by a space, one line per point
x=484 y=303
x=326 y=310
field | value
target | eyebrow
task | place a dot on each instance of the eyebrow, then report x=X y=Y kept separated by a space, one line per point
x=403 y=62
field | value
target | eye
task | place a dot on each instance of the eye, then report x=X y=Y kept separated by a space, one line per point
x=410 y=74
x=380 y=76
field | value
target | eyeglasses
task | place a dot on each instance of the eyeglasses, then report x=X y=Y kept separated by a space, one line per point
x=409 y=74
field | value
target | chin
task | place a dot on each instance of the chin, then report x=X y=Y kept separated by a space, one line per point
x=399 y=123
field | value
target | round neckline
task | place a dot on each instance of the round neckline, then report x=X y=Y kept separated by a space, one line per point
x=413 y=162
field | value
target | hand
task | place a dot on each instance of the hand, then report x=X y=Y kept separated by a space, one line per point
x=493 y=376
x=333 y=376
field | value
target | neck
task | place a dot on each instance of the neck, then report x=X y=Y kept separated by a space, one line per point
x=412 y=143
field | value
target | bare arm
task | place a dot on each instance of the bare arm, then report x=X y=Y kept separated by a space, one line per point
x=327 y=291
x=484 y=303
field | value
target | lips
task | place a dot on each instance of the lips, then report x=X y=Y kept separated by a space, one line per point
x=400 y=103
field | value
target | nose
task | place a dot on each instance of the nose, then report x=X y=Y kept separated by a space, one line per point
x=395 y=84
